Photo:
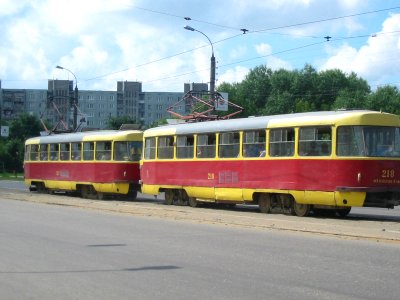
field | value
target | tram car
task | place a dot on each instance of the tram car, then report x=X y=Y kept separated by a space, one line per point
x=293 y=163
x=92 y=164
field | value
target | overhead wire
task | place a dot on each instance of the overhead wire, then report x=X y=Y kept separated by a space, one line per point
x=231 y=37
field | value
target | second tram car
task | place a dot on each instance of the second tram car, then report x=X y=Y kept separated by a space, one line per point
x=92 y=163
x=295 y=163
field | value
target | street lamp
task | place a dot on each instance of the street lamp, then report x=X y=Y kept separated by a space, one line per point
x=75 y=97
x=212 y=73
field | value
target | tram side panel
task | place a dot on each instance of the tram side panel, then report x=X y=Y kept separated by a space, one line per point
x=313 y=181
x=66 y=176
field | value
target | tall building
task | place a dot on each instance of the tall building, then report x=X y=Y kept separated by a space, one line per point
x=94 y=108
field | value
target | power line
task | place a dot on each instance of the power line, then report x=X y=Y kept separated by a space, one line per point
x=231 y=37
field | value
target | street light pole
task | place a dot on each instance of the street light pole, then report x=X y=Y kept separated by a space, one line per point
x=212 y=72
x=75 y=123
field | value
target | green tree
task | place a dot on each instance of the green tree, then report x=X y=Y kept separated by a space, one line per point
x=116 y=122
x=254 y=90
x=386 y=98
x=12 y=147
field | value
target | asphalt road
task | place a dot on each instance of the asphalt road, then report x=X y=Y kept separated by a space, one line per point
x=60 y=252
x=369 y=213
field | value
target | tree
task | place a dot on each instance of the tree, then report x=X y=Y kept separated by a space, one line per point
x=254 y=90
x=12 y=148
x=386 y=98
x=116 y=122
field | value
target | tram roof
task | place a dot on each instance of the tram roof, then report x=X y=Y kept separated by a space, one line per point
x=84 y=136
x=273 y=121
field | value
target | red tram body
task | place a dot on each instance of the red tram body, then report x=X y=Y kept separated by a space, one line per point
x=303 y=162
x=92 y=163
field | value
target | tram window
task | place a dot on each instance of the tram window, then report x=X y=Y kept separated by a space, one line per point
x=150 y=148
x=165 y=147
x=103 y=150
x=184 y=146
x=135 y=150
x=88 y=151
x=64 y=151
x=281 y=142
x=53 y=151
x=127 y=151
x=376 y=141
x=34 y=152
x=76 y=150
x=205 y=146
x=254 y=143
x=44 y=152
x=27 y=152
x=229 y=144
x=315 y=141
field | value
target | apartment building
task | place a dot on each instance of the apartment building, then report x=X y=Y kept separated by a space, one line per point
x=93 y=108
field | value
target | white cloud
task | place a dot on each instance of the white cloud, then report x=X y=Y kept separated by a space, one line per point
x=234 y=75
x=264 y=49
x=376 y=60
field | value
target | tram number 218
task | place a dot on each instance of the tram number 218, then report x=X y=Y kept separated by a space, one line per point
x=388 y=173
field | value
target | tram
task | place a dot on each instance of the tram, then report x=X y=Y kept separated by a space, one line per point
x=293 y=163
x=92 y=164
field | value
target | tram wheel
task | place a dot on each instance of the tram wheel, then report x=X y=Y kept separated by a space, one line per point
x=264 y=203
x=343 y=212
x=169 y=197
x=300 y=210
x=132 y=195
x=193 y=202
x=41 y=188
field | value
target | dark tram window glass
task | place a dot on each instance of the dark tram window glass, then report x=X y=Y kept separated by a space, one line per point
x=205 y=146
x=372 y=141
x=54 y=151
x=150 y=148
x=44 y=152
x=88 y=151
x=127 y=151
x=27 y=152
x=229 y=144
x=185 y=146
x=166 y=147
x=103 y=150
x=315 y=141
x=76 y=151
x=281 y=142
x=34 y=152
x=254 y=143
x=65 y=151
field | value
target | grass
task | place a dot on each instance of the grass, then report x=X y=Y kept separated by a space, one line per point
x=11 y=176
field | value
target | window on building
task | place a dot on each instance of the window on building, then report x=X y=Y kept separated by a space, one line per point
x=315 y=141
x=229 y=144
x=254 y=143
x=206 y=145
x=281 y=142
x=185 y=146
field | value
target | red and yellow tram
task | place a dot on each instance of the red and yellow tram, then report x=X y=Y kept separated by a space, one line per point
x=294 y=163
x=92 y=163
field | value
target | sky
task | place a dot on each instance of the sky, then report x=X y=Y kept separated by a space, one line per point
x=101 y=42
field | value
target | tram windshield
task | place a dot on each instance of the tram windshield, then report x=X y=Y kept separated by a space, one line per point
x=371 y=141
